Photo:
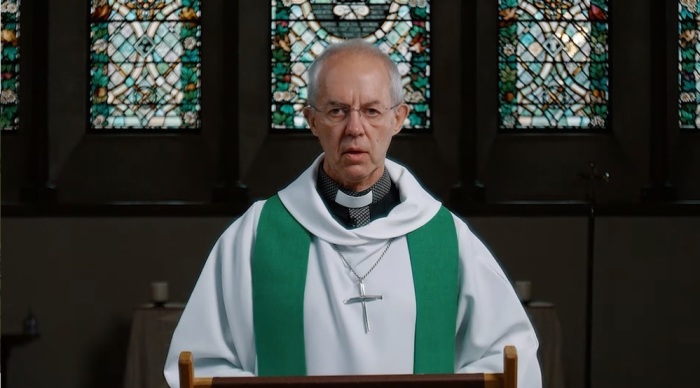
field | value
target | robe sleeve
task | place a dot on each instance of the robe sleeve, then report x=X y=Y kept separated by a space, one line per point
x=490 y=315
x=217 y=322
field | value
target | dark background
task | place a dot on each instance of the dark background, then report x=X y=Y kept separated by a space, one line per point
x=89 y=220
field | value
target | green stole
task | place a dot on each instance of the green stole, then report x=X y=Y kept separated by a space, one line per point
x=279 y=265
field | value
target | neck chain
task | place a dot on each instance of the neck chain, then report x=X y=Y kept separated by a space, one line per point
x=363 y=298
x=361 y=278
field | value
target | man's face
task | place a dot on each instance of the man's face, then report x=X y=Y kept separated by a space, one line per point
x=354 y=147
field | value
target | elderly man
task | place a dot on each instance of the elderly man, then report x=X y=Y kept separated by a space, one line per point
x=353 y=268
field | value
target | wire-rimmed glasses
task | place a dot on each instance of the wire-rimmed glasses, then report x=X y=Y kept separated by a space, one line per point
x=338 y=114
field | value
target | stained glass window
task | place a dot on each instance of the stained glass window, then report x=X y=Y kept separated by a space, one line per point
x=553 y=64
x=688 y=64
x=145 y=64
x=9 y=62
x=301 y=29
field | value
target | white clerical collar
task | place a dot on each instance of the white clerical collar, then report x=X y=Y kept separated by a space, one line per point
x=353 y=202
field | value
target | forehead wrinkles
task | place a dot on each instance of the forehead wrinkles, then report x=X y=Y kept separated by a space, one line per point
x=352 y=76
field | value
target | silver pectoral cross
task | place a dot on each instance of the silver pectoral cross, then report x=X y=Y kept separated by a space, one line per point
x=363 y=298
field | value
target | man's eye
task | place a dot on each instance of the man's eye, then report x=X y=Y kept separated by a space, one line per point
x=371 y=112
x=336 y=112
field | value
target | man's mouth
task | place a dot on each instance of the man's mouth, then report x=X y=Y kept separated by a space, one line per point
x=354 y=154
x=354 y=151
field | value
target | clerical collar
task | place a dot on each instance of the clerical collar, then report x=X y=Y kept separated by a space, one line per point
x=353 y=202
x=332 y=191
x=355 y=209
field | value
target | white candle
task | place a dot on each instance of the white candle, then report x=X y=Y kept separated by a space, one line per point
x=524 y=290
x=159 y=292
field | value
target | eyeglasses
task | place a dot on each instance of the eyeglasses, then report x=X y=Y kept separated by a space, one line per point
x=335 y=115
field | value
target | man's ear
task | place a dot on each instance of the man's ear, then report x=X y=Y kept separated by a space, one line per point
x=310 y=117
x=400 y=114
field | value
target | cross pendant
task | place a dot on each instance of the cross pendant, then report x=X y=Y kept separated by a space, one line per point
x=363 y=298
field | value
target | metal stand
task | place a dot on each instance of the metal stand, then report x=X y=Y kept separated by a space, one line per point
x=592 y=177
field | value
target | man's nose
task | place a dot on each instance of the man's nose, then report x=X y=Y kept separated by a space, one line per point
x=353 y=124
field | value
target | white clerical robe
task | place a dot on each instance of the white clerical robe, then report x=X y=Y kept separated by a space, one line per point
x=217 y=323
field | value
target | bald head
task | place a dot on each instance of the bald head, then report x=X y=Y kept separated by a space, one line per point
x=355 y=47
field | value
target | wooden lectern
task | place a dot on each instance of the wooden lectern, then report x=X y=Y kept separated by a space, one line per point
x=507 y=379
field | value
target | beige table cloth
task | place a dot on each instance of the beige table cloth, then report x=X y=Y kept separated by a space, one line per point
x=151 y=332
x=544 y=318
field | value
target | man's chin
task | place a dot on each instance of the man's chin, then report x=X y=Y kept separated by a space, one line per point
x=355 y=176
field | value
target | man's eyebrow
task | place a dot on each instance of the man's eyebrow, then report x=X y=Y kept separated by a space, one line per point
x=341 y=104
x=338 y=103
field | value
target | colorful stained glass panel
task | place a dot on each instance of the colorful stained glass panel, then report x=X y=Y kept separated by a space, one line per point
x=9 y=64
x=688 y=64
x=301 y=29
x=553 y=64
x=145 y=64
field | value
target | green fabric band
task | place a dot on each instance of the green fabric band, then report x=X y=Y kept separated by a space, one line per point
x=280 y=260
x=435 y=266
